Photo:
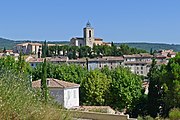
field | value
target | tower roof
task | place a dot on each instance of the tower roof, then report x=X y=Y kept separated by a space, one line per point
x=88 y=24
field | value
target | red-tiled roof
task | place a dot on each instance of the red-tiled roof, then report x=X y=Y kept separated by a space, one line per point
x=35 y=60
x=55 y=83
x=141 y=55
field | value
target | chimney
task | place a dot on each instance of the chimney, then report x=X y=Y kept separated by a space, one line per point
x=48 y=82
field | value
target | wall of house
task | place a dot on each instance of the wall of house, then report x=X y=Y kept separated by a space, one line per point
x=77 y=42
x=140 y=69
x=71 y=97
x=57 y=94
x=92 y=65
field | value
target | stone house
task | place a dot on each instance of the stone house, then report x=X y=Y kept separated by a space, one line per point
x=28 y=48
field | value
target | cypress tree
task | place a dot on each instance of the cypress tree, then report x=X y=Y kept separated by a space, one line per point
x=154 y=90
x=44 y=49
x=43 y=82
x=4 y=50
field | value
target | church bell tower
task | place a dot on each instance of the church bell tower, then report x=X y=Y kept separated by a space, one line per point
x=88 y=35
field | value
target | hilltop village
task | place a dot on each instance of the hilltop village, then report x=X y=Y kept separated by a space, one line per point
x=138 y=63
x=95 y=60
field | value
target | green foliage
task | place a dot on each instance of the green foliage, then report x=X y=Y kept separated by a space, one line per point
x=94 y=88
x=72 y=73
x=145 y=118
x=128 y=50
x=174 y=114
x=140 y=107
x=44 y=88
x=8 y=44
x=124 y=89
x=74 y=52
x=154 y=95
x=172 y=83
x=164 y=87
x=19 y=65
x=45 y=51
x=154 y=46
x=18 y=101
x=117 y=88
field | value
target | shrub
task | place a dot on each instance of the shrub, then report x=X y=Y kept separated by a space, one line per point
x=145 y=118
x=174 y=114
x=19 y=101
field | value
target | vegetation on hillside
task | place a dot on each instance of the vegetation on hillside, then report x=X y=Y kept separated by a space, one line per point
x=9 y=44
x=6 y=43
x=153 y=46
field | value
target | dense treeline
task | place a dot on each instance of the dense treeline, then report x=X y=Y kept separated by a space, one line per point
x=118 y=88
x=74 y=52
x=164 y=91
x=98 y=87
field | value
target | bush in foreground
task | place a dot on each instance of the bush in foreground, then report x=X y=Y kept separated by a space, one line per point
x=174 y=114
x=19 y=101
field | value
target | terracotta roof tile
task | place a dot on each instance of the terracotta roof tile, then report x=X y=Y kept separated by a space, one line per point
x=55 y=83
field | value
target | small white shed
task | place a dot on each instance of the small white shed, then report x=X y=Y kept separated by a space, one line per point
x=65 y=93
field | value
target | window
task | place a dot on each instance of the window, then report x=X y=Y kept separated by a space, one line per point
x=32 y=64
x=74 y=93
x=141 y=68
x=141 y=72
x=137 y=68
x=89 y=33
x=68 y=94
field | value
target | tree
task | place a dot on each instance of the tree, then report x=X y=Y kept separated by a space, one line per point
x=94 y=88
x=154 y=96
x=151 y=51
x=84 y=51
x=171 y=84
x=4 y=50
x=9 y=63
x=125 y=88
x=43 y=82
x=72 y=52
x=22 y=65
x=72 y=73
x=45 y=51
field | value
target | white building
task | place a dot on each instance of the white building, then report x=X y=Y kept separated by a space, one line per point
x=65 y=93
x=28 y=48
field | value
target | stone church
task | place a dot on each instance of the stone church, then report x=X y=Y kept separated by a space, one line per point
x=88 y=38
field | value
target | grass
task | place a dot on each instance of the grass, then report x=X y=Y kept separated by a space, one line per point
x=18 y=101
x=174 y=114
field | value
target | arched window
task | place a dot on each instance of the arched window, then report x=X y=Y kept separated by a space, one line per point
x=89 y=33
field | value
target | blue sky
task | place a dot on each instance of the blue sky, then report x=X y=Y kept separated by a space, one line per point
x=113 y=20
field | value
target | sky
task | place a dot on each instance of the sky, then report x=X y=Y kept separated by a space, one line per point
x=155 y=21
